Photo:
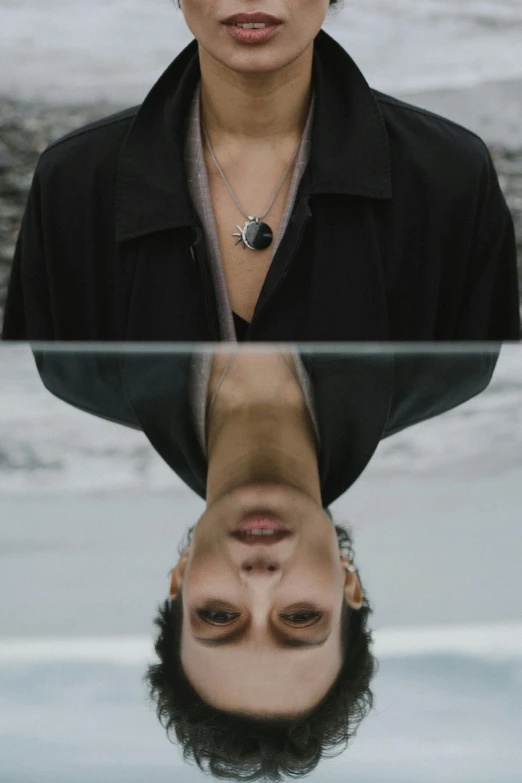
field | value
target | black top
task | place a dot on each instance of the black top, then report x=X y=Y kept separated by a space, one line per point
x=241 y=327
x=399 y=229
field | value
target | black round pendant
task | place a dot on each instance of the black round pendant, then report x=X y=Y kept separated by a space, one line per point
x=258 y=236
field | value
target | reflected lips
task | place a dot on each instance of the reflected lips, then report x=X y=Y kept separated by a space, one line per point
x=261 y=522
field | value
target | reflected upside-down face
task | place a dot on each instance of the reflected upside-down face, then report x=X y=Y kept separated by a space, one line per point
x=298 y=22
x=261 y=627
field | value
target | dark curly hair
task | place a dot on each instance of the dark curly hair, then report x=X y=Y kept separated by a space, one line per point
x=244 y=747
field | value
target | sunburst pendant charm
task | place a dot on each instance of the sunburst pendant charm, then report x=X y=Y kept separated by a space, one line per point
x=254 y=235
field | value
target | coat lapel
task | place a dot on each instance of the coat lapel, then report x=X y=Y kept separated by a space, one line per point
x=326 y=279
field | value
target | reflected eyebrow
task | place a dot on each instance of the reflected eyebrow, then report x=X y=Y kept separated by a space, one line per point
x=235 y=636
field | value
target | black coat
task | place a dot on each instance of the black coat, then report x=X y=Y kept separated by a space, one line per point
x=399 y=230
x=359 y=400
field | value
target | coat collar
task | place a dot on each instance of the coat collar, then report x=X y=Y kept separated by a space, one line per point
x=349 y=154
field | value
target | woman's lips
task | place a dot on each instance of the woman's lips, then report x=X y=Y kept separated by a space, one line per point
x=252 y=35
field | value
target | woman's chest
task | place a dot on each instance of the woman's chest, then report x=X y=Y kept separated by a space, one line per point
x=245 y=269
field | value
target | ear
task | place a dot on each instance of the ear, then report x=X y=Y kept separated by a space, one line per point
x=352 y=586
x=178 y=572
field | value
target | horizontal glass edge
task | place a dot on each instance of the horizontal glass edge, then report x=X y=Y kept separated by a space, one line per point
x=343 y=348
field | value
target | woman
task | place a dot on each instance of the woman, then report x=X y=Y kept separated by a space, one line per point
x=263 y=191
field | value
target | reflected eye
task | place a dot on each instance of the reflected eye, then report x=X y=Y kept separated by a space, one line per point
x=217 y=616
x=302 y=618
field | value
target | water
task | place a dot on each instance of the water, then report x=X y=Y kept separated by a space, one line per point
x=77 y=52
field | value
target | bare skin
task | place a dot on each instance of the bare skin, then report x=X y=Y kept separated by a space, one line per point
x=262 y=455
x=255 y=93
x=260 y=397
x=261 y=445
x=254 y=104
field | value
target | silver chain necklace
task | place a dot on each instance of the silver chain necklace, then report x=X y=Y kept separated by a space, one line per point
x=254 y=235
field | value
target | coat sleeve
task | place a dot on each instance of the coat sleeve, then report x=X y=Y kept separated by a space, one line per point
x=490 y=304
x=28 y=314
x=427 y=384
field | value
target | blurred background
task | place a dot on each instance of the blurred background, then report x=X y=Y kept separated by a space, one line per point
x=63 y=64
x=90 y=523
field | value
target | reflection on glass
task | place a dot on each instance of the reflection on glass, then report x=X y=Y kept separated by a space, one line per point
x=265 y=659
x=265 y=652
x=264 y=642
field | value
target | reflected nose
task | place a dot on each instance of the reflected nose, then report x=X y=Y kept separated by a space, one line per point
x=260 y=565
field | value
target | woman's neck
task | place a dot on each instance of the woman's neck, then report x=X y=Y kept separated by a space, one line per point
x=259 y=108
